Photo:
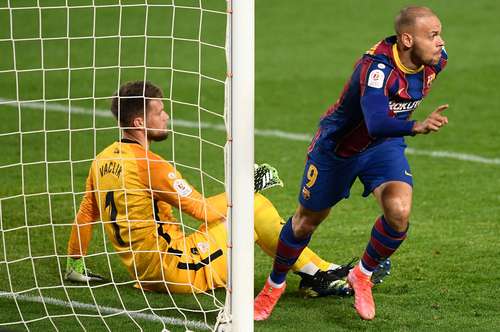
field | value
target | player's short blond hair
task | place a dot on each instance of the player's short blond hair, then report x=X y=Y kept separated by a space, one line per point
x=408 y=16
x=129 y=101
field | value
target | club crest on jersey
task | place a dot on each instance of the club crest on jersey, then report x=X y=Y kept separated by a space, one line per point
x=203 y=247
x=430 y=78
x=306 y=193
x=376 y=79
x=182 y=187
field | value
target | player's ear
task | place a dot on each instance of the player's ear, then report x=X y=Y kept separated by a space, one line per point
x=138 y=122
x=407 y=39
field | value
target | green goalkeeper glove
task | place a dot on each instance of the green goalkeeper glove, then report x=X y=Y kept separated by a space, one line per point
x=76 y=271
x=265 y=176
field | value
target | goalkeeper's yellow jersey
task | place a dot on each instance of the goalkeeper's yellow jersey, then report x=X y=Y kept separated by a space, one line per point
x=132 y=192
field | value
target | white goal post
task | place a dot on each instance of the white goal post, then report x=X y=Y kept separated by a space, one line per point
x=242 y=159
x=60 y=63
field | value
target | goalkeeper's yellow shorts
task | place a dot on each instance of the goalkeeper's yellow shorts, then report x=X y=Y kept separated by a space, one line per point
x=195 y=263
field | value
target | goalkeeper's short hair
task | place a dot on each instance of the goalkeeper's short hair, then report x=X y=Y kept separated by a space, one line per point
x=128 y=102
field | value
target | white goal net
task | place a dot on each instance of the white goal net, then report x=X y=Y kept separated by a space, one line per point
x=60 y=63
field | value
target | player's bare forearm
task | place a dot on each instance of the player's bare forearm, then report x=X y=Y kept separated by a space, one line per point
x=433 y=123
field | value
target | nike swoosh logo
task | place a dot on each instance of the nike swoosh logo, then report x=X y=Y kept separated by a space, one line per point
x=409 y=174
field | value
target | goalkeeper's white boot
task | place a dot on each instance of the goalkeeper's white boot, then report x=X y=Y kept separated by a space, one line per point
x=266 y=301
x=76 y=271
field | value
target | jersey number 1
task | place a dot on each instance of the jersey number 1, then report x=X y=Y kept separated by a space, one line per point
x=110 y=201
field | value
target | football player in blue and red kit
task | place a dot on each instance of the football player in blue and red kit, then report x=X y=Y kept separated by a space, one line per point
x=362 y=136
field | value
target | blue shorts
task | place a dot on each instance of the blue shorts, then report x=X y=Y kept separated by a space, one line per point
x=328 y=178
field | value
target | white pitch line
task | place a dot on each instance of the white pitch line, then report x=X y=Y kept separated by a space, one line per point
x=107 y=310
x=258 y=132
x=454 y=155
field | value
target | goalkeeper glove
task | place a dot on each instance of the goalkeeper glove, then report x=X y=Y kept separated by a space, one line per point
x=265 y=177
x=76 y=271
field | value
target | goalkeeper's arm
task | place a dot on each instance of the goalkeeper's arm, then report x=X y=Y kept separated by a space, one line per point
x=81 y=234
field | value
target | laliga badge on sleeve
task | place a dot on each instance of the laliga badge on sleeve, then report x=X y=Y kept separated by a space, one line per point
x=376 y=79
x=182 y=187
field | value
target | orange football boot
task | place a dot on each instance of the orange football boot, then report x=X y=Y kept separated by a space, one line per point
x=363 y=298
x=266 y=300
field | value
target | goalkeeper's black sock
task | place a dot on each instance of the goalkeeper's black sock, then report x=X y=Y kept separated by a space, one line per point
x=288 y=251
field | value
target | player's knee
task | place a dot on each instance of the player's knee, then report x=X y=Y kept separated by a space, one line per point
x=397 y=213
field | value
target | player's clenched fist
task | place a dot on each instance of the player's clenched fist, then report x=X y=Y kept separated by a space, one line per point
x=432 y=123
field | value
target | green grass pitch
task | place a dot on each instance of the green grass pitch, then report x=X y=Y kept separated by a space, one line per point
x=445 y=276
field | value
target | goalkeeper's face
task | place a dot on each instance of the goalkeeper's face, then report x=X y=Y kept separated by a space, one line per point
x=156 y=121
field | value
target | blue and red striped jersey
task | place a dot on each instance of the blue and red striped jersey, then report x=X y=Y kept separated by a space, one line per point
x=377 y=101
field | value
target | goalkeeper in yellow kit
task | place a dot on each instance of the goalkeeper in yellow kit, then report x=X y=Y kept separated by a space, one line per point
x=132 y=191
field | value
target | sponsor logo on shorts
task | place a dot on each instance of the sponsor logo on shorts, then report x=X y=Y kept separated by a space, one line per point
x=408 y=173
